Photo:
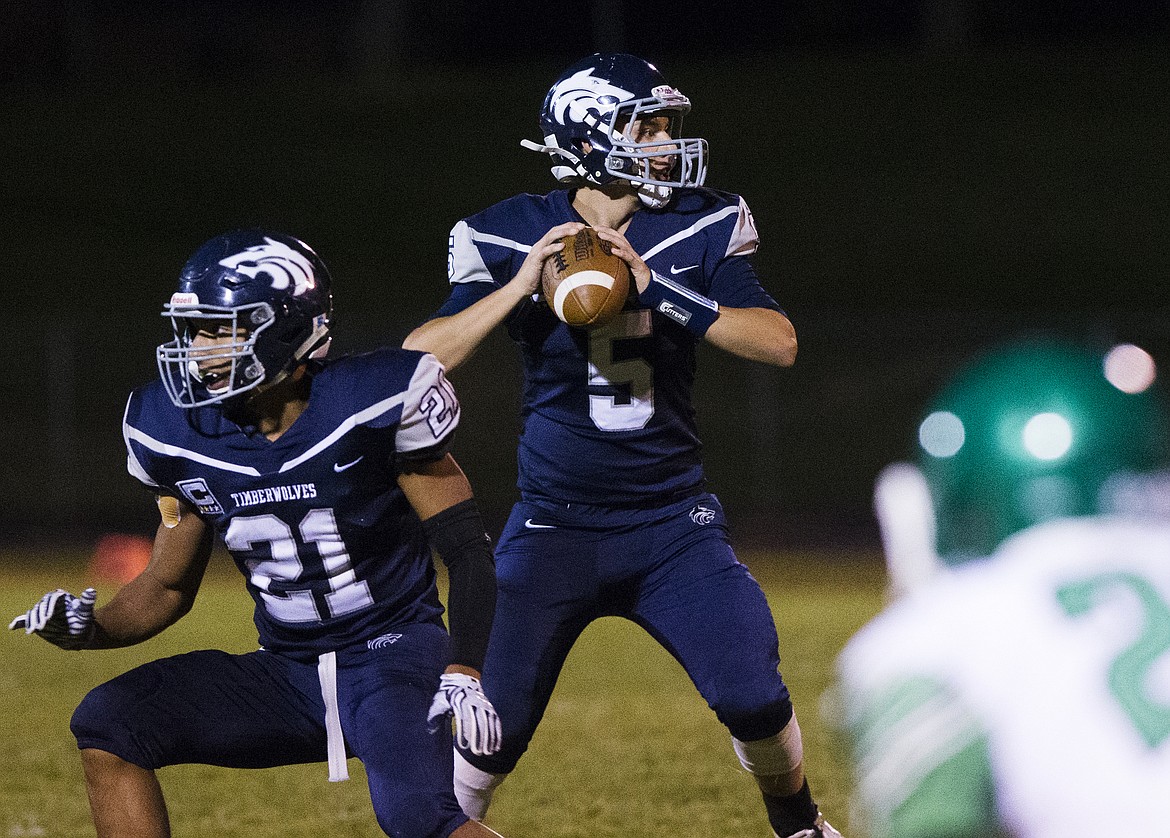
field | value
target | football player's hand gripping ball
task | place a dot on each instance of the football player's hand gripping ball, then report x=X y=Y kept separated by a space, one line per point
x=477 y=727
x=61 y=618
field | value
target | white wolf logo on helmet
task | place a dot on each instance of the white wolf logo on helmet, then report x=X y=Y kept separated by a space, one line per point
x=574 y=97
x=285 y=265
x=590 y=120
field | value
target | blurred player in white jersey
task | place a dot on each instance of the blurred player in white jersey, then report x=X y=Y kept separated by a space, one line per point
x=1020 y=683
x=614 y=516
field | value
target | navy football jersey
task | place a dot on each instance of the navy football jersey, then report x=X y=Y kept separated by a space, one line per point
x=607 y=413
x=332 y=551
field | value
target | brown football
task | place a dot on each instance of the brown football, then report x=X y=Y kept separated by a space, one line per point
x=584 y=283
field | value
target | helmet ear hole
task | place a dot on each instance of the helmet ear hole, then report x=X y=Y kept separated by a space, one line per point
x=261 y=314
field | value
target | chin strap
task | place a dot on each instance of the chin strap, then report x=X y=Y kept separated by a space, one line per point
x=554 y=151
x=322 y=350
x=566 y=165
x=307 y=351
x=547 y=149
x=651 y=195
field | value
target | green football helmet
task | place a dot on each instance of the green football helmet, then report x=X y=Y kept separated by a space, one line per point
x=1036 y=429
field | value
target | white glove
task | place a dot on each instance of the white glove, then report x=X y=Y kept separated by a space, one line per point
x=477 y=727
x=60 y=618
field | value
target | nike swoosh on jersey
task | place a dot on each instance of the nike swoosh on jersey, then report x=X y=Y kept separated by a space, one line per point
x=338 y=467
x=533 y=526
x=676 y=270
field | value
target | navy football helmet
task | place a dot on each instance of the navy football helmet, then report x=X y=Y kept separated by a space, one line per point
x=594 y=102
x=269 y=292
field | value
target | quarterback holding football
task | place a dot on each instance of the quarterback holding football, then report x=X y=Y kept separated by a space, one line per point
x=614 y=516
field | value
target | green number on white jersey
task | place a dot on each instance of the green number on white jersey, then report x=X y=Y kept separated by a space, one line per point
x=1130 y=670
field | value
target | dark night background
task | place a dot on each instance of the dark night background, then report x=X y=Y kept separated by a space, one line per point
x=927 y=177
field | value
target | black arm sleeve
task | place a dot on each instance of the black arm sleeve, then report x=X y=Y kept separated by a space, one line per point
x=457 y=535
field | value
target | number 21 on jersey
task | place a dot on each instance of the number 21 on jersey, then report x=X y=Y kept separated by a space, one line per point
x=286 y=566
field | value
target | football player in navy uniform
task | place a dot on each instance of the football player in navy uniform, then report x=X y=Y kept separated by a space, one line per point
x=329 y=482
x=614 y=518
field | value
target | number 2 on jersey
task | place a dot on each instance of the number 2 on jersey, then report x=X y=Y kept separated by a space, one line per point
x=1130 y=670
x=286 y=567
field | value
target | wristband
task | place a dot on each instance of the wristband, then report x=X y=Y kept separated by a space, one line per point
x=687 y=308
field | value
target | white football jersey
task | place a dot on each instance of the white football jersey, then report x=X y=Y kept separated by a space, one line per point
x=1049 y=664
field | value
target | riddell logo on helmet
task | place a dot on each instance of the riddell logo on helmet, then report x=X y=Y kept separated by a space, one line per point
x=180 y=298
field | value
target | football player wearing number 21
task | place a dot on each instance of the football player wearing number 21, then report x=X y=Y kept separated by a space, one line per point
x=329 y=482
x=614 y=517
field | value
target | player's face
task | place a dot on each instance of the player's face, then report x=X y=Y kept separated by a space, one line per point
x=212 y=341
x=650 y=130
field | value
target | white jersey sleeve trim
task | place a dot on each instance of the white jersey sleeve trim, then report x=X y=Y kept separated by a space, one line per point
x=744 y=239
x=430 y=410
x=464 y=262
x=133 y=465
x=501 y=241
x=690 y=231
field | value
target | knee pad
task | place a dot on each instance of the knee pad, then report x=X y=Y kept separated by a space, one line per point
x=502 y=761
x=774 y=755
x=474 y=788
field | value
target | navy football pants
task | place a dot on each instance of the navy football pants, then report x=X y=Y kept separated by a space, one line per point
x=670 y=570
x=263 y=709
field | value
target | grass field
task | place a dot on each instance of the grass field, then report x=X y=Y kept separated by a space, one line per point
x=627 y=748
